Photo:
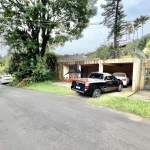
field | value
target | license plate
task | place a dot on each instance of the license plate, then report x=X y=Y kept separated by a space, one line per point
x=77 y=87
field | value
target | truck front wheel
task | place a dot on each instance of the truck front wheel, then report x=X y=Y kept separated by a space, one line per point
x=96 y=93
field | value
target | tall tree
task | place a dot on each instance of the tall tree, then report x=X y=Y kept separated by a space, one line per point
x=114 y=20
x=136 y=25
x=1 y=59
x=31 y=25
x=143 y=20
x=129 y=29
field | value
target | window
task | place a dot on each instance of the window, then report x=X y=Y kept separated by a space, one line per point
x=109 y=78
x=96 y=75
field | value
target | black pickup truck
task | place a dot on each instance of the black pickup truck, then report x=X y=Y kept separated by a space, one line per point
x=96 y=84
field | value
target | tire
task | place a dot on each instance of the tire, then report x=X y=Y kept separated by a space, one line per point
x=96 y=93
x=119 y=88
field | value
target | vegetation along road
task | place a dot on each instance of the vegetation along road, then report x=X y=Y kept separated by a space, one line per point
x=33 y=120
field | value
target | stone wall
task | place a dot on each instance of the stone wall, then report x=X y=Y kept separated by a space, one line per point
x=145 y=65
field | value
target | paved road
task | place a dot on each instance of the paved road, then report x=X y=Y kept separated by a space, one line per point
x=31 y=120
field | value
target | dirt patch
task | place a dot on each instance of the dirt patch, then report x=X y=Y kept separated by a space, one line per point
x=134 y=117
x=63 y=84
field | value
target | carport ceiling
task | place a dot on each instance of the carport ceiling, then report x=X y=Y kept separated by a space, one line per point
x=89 y=65
x=117 y=64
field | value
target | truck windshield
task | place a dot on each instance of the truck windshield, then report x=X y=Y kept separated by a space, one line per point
x=96 y=75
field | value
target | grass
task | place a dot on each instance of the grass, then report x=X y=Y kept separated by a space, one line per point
x=49 y=87
x=137 y=107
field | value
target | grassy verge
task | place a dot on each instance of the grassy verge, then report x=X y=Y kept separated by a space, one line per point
x=137 y=107
x=47 y=86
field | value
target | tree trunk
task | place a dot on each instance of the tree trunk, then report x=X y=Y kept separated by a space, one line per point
x=133 y=34
x=115 y=30
x=44 y=44
x=142 y=29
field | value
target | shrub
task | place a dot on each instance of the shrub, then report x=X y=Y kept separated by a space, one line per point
x=107 y=52
x=33 y=68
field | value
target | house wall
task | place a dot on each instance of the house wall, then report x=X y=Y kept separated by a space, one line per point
x=73 y=74
x=89 y=69
x=65 y=70
x=85 y=71
x=93 y=68
x=145 y=65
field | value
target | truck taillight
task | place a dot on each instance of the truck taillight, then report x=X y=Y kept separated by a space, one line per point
x=124 y=79
x=87 y=85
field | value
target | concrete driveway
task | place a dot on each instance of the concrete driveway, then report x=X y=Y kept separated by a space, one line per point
x=126 y=92
x=144 y=95
x=32 y=120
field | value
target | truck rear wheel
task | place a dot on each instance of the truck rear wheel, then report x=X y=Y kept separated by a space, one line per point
x=119 y=88
x=96 y=93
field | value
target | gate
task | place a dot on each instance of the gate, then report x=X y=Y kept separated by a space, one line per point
x=147 y=79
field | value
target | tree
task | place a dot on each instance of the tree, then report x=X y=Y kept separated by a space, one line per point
x=143 y=20
x=129 y=29
x=1 y=60
x=136 y=25
x=113 y=19
x=31 y=25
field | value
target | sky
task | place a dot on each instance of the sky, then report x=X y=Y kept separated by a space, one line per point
x=95 y=35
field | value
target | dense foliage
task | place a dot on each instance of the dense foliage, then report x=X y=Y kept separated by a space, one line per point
x=143 y=41
x=41 y=69
x=107 y=51
x=4 y=61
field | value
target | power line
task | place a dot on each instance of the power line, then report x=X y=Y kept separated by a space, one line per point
x=51 y=22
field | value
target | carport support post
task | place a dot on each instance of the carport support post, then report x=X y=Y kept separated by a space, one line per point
x=79 y=67
x=65 y=70
x=100 y=66
x=136 y=75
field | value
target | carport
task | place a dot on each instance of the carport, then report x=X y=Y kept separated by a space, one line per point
x=67 y=70
x=120 y=67
x=131 y=66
